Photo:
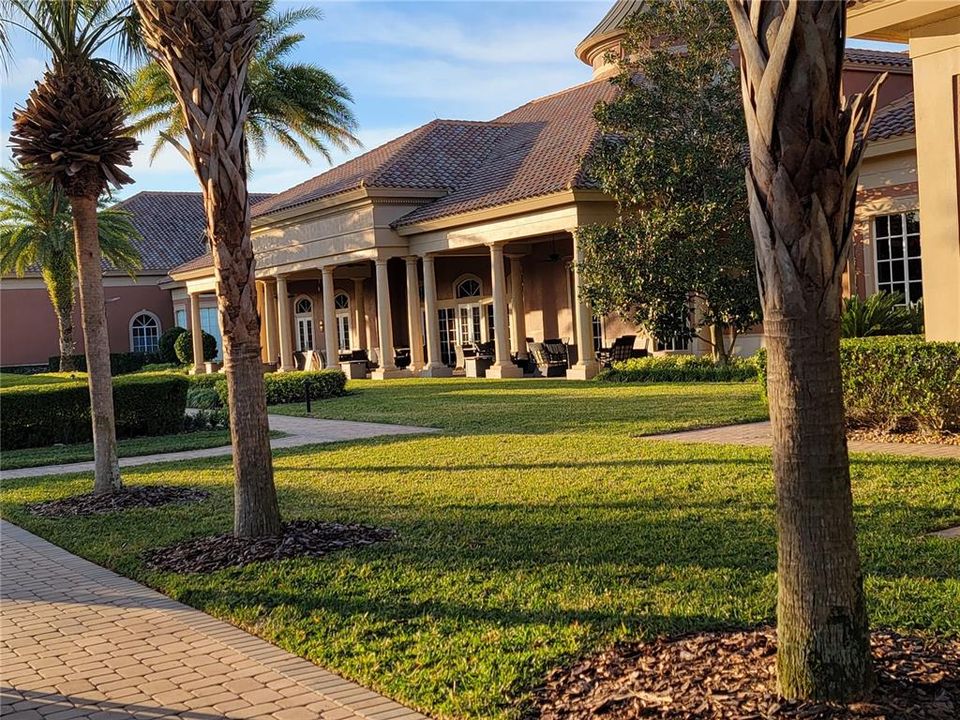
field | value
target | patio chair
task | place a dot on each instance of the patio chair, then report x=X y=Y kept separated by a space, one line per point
x=461 y=356
x=622 y=349
x=549 y=364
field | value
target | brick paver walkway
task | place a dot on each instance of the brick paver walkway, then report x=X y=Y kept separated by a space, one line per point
x=759 y=434
x=78 y=641
x=299 y=431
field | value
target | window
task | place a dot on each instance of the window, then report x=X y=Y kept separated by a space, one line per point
x=491 y=330
x=898 y=255
x=303 y=315
x=448 y=335
x=181 y=318
x=597 y=324
x=674 y=343
x=210 y=324
x=470 y=324
x=468 y=288
x=144 y=332
x=341 y=304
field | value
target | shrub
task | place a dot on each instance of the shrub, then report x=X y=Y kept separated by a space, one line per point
x=203 y=397
x=166 y=344
x=160 y=367
x=38 y=415
x=206 y=420
x=208 y=380
x=120 y=363
x=288 y=387
x=183 y=347
x=898 y=382
x=679 y=368
x=880 y=314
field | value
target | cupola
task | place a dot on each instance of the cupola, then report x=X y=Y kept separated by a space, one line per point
x=603 y=42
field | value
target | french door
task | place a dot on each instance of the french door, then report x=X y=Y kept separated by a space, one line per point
x=446 y=318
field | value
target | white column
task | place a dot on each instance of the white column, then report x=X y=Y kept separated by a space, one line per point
x=587 y=366
x=434 y=366
x=330 y=347
x=518 y=326
x=413 y=315
x=360 y=323
x=283 y=322
x=196 y=335
x=261 y=304
x=503 y=367
x=270 y=320
x=384 y=325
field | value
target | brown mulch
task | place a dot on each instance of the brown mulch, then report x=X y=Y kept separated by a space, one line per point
x=731 y=675
x=129 y=498
x=300 y=538
x=865 y=434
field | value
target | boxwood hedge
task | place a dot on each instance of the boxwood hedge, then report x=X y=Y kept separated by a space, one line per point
x=679 y=368
x=288 y=387
x=40 y=415
x=897 y=382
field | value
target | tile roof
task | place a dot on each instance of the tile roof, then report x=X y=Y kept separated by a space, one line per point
x=894 y=119
x=172 y=225
x=542 y=153
x=436 y=156
x=878 y=58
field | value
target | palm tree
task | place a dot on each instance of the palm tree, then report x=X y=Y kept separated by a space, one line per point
x=295 y=104
x=806 y=146
x=205 y=49
x=36 y=234
x=72 y=133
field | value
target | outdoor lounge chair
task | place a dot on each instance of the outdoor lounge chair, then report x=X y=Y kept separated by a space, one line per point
x=622 y=349
x=549 y=364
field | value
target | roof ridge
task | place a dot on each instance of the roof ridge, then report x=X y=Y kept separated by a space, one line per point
x=552 y=95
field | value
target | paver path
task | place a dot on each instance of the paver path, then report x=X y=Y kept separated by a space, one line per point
x=759 y=434
x=78 y=641
x=299 y=431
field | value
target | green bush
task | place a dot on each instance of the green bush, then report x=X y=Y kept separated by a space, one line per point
x=204 y=397
x=120 y=363
x=166 y=344
x=208 y=380
x=880 y=314
x=183 y=347
x=160 y=367
x=206 y=420
x=288 y=387
x=679 y=368
x=40 y=415
x=898 y=382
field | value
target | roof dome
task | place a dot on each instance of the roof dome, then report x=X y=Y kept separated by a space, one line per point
x=605 y=38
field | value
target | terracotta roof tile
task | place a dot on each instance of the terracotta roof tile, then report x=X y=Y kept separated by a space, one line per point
x=878 y=58
x=894 y=119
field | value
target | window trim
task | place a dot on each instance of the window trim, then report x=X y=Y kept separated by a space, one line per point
x=905 y=259
x=153 y=316
x=469 y=298
x=299 y=317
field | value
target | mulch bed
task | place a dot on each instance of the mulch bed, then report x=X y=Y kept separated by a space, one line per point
x=300 y=538
x=916 y=437
x=731 y=675
x=129 y=498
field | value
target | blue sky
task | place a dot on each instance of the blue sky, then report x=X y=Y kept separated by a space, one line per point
x=405 y=63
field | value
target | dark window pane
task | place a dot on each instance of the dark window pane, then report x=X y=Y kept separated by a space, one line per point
x=913 y=246
x=899 y=288
x=896 y=247
x=883 y=271
x=882 y=226
x=883 y=249
x=913 y=222
x=914 y=269
x=896 y=225
x=897 y=271
x=916 y=291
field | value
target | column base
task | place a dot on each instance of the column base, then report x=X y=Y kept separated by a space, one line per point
x=286 y=368
x=504 y=371
x=583 y=372
x=198 y=370
x=390 y=374
x=436 y=371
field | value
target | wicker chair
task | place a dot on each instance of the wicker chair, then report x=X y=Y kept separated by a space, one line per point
x=549 y=362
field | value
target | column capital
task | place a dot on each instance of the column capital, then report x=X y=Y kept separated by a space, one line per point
x=497 y=246
x=411 y=259
x=327 y=270
x=380 y=262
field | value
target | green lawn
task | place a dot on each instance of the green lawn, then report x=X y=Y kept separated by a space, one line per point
x=549 y=534
x=11 y=379
x=62 y=454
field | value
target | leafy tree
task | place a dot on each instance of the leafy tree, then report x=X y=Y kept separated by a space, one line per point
x=679 y=258
x=72 y=133
x=880 y=314
x=806 y=146
x=36 y=233
x=205 y=48
x=298 y=105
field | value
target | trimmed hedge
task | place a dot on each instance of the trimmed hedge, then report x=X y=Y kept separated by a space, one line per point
x=897 y=381
x=679 y=368
x=40 y=415
x=183 y=347
x=288 y=387
x=166 y=343
x=120 y=363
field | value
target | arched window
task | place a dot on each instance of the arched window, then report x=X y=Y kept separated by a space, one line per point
x=144 y=332
x=469 y=288
x=341 y=303
x=303 y=315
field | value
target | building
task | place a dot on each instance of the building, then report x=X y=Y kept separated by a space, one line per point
x=457 y=229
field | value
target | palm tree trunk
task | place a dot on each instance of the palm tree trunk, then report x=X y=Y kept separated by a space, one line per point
x=59 y=282
x=806 y=145
x=96 y=344
x=208 y=45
